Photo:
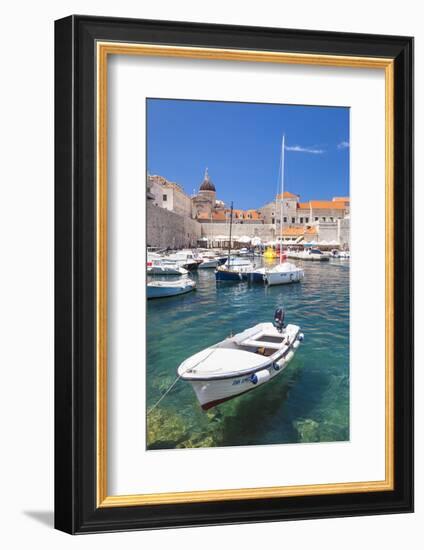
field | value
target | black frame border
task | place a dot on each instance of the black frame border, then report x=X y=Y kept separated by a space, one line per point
x=75 y=274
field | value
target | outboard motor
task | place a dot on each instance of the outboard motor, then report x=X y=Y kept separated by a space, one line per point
x=279 y=319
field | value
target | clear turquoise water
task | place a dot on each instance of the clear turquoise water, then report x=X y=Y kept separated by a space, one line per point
x=307 y=402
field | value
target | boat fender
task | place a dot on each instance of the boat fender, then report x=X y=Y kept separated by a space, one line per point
x=253 y=378
x=301 y=337
x=260 y=376
x=276 y=366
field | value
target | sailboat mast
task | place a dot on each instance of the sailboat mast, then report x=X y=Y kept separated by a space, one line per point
x=282 y=199
x=229 y=244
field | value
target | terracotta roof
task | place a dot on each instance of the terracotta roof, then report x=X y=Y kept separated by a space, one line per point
x=219 y=216
x=330 y=205
x=339 y=199
x=298 y=231
x=254 y=214
x=303 y=205
x=310 y=231
x=287 y=195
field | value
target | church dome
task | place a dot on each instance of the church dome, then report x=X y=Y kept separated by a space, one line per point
x=207 y=184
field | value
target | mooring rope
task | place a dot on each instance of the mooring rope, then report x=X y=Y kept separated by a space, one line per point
x=176 y=380
x=164 y=395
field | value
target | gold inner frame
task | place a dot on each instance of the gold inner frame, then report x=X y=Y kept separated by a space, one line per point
x=104 y=49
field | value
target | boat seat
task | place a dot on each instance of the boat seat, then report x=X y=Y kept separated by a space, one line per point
x=249 y=342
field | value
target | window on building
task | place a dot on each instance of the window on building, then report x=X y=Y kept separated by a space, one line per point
x=316 y=219
x=164 y=198
x=306 y=220
x=293 y=220
x=272 y=220
x=323 y=218
x=331 y=219
x=301 y=220
x=285 y=219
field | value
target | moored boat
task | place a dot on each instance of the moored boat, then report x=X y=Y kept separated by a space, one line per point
x=339 y=254
x=185 y=259
x=242 y=362
x=310 y=254
x=161 y=266
x=165 y=289
x=284 y=272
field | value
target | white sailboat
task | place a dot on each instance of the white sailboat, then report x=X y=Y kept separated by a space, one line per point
x=242 y=362
x=284 y=272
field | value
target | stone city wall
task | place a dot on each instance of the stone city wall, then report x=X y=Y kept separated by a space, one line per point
x=266 y=232
x=168 y=229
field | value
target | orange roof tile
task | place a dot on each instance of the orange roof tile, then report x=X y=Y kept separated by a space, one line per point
x=339 y=199
x=329 y=205
x=298 y=231
x=219 y=216
x=287 y=195
x=303 y=205
x=310 y=231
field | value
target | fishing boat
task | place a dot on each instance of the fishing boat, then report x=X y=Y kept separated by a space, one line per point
x=242 y=362
x=284 y=272
x=161 y=266
x=164 y=289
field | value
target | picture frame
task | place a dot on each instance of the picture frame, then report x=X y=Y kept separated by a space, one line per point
x=83 y=45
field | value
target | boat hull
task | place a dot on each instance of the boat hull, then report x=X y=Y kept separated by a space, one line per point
x=209 y=264
x=310 y=257
x=166 y=292
x=228 y=276
x=283 y=277
x=157 y=270
x=214 y=392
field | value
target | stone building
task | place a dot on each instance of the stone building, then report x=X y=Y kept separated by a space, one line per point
x=304 y=213
x=312 y=221
x=204 y=203
x=169 y=195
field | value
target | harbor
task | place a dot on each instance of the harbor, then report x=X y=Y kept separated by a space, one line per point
x=307 y=402
x=248 y=308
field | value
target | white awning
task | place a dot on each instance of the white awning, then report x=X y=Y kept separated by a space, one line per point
x=244 y=239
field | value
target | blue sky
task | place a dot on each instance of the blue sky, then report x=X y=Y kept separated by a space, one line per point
x=240 y=143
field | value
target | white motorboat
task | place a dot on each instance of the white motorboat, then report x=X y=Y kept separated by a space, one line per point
x=242 y=362
x=161 y=266
x=339 y=254
x=310 y=254
x=209 y=261
x=244 y=252
x=284 y=273
x=185 y=259
x=164 y=289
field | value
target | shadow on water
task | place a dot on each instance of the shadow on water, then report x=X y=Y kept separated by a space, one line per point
x=308 y=402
